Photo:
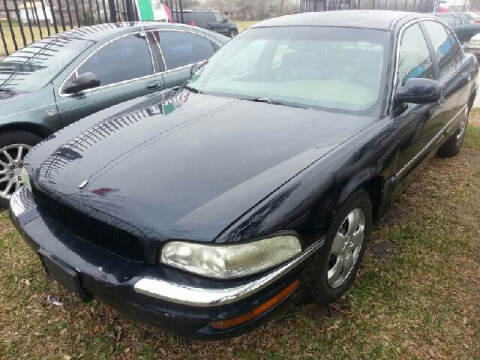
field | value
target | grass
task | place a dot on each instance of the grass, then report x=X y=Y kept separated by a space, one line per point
x=416 y=296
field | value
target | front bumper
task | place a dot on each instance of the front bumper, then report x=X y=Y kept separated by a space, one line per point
x=183 y=303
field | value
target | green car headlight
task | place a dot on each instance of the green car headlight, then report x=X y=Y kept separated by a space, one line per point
x=230 y=261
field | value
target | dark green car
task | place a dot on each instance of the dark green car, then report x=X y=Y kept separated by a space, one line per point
x=66 y=77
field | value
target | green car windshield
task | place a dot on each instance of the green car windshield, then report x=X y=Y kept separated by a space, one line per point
x=342 y=69
x=36 y=65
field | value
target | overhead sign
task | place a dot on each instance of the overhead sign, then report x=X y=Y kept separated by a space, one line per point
x=153 y=10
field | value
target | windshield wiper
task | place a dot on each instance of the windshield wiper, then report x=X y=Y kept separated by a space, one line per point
x=192 y=89
x=6 y=90
x=274 y=102
x=264 y=100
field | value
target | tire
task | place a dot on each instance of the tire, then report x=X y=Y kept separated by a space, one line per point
x=453 y=145
x=14 y=145
x=325 y=288
x=233 y=33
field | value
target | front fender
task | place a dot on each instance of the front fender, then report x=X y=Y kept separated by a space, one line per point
x=362 y=177
x=35 y=112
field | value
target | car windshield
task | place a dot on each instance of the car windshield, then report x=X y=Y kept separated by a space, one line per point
x=342 y=69
x=36 y=65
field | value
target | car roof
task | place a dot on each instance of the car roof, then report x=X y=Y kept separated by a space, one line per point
x=103 y=32
x=371 y=19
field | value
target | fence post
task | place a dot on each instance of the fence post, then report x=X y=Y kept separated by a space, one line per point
x=113 y=11
x=54 y=16
x=62 y=19
x=104 y=11
x=28 y=19
x=3 y=40
x=45 y=18
x=181 y=10
x=9 y=20
x=20 y=23
x=129 y=10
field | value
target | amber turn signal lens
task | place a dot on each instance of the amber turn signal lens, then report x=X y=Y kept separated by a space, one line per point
x=225 y=324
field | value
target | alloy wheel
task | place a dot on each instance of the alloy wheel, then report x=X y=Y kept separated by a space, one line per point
x=11 y=164
x=346 y=247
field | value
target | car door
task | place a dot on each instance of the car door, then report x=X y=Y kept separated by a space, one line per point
x=416 y=123
x=454 y=81
x=182 y=49
x=126 y=69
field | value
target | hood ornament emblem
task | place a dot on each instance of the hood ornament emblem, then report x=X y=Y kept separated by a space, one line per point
x=83 y=184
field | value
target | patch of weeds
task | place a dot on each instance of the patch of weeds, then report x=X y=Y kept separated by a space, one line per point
x=472 y=139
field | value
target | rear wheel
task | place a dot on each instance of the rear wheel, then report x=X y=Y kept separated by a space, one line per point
x=343 y=249
x=454 y=143
x=14 y=145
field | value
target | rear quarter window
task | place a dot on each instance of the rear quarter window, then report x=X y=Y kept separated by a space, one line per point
x=182 y=48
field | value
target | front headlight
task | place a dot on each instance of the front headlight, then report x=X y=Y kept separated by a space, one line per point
x=230 y=261
x=25 y=178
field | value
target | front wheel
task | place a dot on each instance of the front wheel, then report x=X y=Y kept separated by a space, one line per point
x=453 y=145
x=14 y=145
x=343 y=249
x=233 y=33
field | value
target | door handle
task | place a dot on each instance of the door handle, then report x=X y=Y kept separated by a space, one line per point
x=153 y=86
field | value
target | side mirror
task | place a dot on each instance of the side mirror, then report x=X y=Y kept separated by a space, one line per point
x=85 y=81
x=418 y=91
x=197 y=66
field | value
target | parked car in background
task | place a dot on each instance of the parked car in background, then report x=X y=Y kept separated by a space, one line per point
x=450 y=18
x=473 y=46
x=203 y=209
x=63 y=78
x=208 y=19
x=468 y=17
x=464 y=25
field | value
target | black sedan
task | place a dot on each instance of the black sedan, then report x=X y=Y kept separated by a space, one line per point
x=205 y=208
x=65 y=77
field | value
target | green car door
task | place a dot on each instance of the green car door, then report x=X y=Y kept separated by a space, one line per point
x=180 y=50
x=126 y=68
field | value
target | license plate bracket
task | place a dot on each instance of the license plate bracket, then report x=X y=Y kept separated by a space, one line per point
x=63 y=274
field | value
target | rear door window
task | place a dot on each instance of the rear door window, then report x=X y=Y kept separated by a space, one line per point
x=182 y=48
x=443 y=46
x=123 y=59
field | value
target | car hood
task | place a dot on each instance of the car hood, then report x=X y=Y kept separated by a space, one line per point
x=184 y=165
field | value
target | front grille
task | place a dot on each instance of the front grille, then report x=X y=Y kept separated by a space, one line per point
x=92 y=230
